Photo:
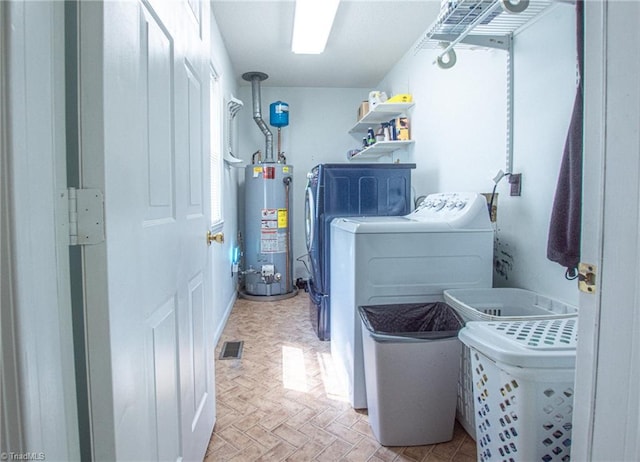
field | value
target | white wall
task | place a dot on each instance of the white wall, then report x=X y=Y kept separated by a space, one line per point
x=319 y=121
x=457 y=121
x=224 y=282
x=459 y=126
x=545 y=70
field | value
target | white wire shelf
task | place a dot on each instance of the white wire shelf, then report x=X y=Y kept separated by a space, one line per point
x=473 y=23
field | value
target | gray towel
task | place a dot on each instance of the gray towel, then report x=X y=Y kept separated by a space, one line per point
x=563 y=245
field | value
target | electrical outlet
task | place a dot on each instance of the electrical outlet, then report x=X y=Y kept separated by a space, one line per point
x=515 y=180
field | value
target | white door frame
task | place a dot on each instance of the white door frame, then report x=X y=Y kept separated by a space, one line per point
x=10 y=434
x=39 y=378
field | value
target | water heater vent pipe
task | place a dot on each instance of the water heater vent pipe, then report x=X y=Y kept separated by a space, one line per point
x=255 y=78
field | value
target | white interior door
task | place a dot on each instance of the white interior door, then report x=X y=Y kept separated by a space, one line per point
x=607 y=412
x=143 y=113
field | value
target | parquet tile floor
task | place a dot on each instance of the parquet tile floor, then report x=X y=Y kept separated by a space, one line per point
x=281 y=400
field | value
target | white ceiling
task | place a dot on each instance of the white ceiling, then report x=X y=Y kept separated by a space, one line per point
x=368 y=37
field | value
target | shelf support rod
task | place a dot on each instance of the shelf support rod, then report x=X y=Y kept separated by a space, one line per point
x=510 y=105
x=468 y=30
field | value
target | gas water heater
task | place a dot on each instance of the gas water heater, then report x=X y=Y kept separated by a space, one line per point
x=268 y=257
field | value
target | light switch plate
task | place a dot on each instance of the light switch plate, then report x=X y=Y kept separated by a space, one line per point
x=515 y=180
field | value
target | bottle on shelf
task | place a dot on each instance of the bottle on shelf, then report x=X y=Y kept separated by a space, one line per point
x=371 y=137
x=393 y=129
x=386 y=132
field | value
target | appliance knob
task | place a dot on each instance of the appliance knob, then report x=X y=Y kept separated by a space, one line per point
x=438 y=204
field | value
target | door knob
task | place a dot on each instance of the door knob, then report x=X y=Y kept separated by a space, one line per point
x=218 y=237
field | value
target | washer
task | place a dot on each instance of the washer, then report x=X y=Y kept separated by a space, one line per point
x=446 y=243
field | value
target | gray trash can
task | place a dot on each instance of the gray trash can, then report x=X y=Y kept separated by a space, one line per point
x=411 y=362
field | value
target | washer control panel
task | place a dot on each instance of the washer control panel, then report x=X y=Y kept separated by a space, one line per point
x=459 y=209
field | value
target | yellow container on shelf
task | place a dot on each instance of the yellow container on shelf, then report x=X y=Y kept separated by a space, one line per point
x=401 y=98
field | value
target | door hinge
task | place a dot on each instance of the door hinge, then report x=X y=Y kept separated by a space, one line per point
x=86 y=216
x=587 y=277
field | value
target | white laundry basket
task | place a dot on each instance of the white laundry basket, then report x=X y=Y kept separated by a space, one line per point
x=523 y=385
x=506 y=304
x=497 y=304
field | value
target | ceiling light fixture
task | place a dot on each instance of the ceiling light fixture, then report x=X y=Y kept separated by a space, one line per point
x=312 y=24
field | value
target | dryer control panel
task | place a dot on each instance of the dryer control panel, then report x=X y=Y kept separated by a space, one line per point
x=460 y=210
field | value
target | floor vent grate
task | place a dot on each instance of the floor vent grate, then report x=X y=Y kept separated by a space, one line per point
x=231 y=350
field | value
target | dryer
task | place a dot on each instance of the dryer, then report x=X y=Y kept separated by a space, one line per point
x=339 y=190
x=446 y=243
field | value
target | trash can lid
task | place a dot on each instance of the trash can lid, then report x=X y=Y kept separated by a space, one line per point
x=547 y=343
